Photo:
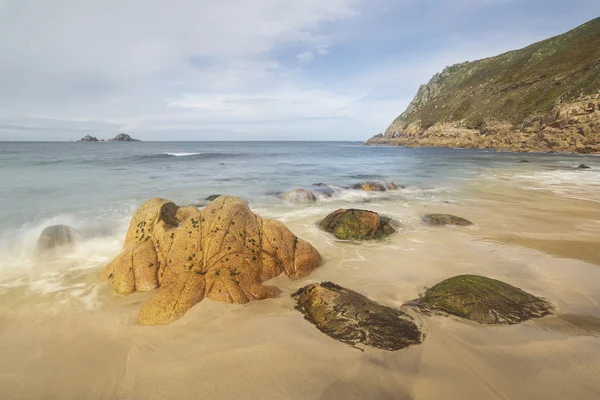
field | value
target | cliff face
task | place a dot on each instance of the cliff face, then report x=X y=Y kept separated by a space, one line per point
x=545 y=97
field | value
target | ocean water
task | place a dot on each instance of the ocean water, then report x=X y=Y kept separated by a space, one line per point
x=537 y=226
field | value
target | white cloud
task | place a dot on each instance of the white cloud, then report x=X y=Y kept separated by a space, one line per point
x=305 y=57
x=190 y=68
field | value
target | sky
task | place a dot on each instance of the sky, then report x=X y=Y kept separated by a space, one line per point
x=244 y=69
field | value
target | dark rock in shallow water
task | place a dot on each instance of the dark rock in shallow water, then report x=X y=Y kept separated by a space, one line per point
x=323 y=189
x=299 y=196
x=445 y=219
x=356 y=225
x=483 y=300
x=583 y=166
x=56 y=236
x=352 y=318
x=213 y=197
x=524 y=161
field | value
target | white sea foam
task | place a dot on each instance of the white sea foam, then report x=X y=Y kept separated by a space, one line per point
x=183 y=154
x=584 y=184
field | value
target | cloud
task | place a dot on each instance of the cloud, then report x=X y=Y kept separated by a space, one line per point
x=246 y=69
x=305 y=57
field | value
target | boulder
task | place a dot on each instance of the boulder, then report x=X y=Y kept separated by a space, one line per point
x=445 y=219
x=56 y=236
x=299 y=196
x=321 y=188
x=352 y=318
x=583 y=166
x=483 y=300
x=222 y=252
x=212 y=197
x=354 y=224
x=376 y=186
x=524 y=161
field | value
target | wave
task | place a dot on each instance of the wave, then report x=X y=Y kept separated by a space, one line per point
x=184 y=154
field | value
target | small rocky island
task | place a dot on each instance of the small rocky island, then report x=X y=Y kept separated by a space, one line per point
x=543 y=98
x=121 y=137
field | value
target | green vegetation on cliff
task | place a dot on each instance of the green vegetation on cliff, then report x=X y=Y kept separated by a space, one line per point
x=515 y=85
x=516 y=89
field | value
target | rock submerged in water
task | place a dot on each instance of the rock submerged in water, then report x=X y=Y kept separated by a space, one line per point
x=352 y=318
x=583 y=166
x=323 y=189
x=375 y=186
x=445 y=219
x=55 y=236
x=223 y=252
x=355 y=224
x=299 y=196
x=524 y=161
x=483 y=300
x=212 y=197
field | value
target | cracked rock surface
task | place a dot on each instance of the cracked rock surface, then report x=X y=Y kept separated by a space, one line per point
x=351 y=318
x=223 y=252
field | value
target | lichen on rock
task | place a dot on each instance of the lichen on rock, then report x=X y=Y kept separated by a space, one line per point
x=445 y=219
x=483 y=300
x=352 y=224
x=352 y=318
x=223 y=252
x=376 y=186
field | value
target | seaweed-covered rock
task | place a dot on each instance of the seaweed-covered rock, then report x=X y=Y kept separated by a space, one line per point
x=299 y=196
x=223 y=252
x=352 y=318
x=56 y=236
x=483 y=300
x=445 y=219
x=356 y=225
x=375 y=186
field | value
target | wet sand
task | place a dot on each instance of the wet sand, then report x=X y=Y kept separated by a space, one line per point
x=81 y=341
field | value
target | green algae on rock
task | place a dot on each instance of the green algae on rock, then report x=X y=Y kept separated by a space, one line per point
x=483 y=300
x=355 y=224
x=445 y=219
x=352 y=318
x=376 y=186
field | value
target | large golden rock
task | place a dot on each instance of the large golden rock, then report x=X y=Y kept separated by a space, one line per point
x=223 y=252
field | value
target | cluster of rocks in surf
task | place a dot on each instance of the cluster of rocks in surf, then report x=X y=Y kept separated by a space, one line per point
x=224 y=252
x=321 y=190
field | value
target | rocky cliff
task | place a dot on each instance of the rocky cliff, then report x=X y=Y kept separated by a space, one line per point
x=545 y=97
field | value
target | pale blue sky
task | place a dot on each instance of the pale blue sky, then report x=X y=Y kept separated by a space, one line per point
x=244 y=69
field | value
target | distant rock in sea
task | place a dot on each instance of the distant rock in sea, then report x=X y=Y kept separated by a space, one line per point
x=123 y=137
x=88 y=138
